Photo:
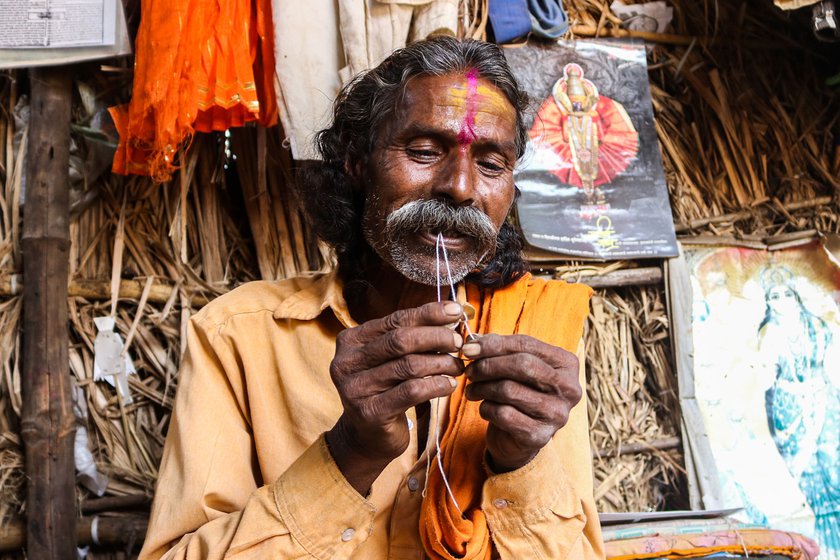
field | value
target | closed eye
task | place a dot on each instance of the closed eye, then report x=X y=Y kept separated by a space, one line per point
x=421 y=153
x=490 y=166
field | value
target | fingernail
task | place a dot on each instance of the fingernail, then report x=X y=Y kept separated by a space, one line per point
x=453 y=308
x=471 y=349
x=452 y=381
x=457 y=339
x=469 y=310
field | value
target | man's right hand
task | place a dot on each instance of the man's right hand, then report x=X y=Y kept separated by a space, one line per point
x=381 y=369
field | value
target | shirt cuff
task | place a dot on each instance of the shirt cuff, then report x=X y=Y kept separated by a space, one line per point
x=323 y=512
x=538 y=491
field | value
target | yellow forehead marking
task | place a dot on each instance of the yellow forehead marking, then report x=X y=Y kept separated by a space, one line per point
x=459 y=94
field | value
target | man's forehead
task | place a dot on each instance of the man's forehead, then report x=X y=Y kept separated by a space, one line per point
x=474 y=89
x=457 y=89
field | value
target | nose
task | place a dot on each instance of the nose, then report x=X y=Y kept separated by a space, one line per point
x=457 y=180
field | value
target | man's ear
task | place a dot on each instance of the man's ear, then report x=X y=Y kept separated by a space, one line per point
x=354 y=171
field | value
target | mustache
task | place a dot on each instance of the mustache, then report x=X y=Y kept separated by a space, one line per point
x=438 y=216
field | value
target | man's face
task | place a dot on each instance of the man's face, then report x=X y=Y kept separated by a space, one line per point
x=442 y=165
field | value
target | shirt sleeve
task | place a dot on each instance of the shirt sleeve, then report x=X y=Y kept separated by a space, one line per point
x=546 y=509
x=210 y=501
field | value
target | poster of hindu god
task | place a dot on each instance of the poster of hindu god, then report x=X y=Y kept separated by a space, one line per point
x=766 y=381
x=591 y=179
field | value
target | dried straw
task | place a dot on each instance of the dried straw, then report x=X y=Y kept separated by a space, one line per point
x=11 y=453
x=632 y=400
x=745 y=129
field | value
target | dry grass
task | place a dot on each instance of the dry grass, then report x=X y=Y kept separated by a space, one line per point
x=745 y=129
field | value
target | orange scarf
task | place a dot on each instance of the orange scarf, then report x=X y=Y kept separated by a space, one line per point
x=553 y=312
x=200 y=65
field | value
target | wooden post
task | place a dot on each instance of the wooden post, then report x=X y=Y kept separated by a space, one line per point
x=47 y=423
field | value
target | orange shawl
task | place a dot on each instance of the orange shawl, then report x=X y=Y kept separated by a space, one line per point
x=200 y=65
x=551 y=311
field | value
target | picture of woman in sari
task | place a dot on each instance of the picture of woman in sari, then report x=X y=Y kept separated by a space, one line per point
x=803 y=403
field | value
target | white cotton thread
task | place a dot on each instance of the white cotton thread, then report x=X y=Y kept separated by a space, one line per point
x=440 y=247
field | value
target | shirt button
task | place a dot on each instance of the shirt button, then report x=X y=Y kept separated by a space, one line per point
x=347 y=535
x=413 y=484
x=500 y=503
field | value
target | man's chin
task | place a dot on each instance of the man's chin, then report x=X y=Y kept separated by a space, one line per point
x=425 y=271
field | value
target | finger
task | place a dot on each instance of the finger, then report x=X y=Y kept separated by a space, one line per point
x=528 y=432
x=438 y=313
x=403 y=342
x=534 y=404
x=414 y=366
x=528 y=370
x=400 y=398
x=497 y=345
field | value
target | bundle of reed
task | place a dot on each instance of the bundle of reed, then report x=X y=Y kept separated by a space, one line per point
x=149 y=255
x=633 y=412
x=11 y=453
x=283 y=245
x=173 y=247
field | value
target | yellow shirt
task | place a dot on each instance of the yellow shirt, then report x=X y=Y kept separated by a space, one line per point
x=246 y=472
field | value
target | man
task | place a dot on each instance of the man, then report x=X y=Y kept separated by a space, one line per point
x=310 y=411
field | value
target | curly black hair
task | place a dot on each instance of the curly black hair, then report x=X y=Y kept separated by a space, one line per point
x=326 y=191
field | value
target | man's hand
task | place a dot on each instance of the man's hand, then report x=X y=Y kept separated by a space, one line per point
x=381 y=369
x=528 y=388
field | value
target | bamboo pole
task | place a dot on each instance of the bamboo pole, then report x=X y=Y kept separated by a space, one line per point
x=47 y=423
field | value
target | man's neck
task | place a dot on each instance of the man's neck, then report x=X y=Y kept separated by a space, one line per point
x=388 y=291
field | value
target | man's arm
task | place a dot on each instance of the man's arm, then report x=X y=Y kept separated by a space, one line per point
x=211 y=501
x=546 y=508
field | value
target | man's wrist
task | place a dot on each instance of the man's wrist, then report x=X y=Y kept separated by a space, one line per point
x=359 y=470
x=496 y=466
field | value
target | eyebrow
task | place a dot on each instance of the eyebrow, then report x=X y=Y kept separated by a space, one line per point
x=417 y=129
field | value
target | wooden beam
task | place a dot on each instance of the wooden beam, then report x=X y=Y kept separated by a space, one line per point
x=663 y=38
x=644 y=447
x=121 y=532
x=643 y=276
x=113 y=503
x=624 y=277
x=47 y=421
x=100 y=290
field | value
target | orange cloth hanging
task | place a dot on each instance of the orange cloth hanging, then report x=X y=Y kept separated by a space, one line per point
x=201 y=65
x=550 y=311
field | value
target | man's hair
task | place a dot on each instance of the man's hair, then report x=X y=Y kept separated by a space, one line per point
x=361 y=110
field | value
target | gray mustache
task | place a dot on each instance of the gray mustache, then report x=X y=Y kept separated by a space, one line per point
x=437 y=216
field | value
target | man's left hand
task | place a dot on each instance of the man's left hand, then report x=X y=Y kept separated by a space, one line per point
x=528 y=388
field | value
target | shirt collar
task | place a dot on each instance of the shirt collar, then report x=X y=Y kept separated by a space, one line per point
x=327 y=290
x=313 y=298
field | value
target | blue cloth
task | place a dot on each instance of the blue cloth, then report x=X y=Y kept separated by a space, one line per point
x=548 y=18
x=509 y=19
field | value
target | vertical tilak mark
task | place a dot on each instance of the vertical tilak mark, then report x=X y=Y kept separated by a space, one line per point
x=467 y=132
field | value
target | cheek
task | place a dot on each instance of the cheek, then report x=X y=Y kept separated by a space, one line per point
x=499 y=207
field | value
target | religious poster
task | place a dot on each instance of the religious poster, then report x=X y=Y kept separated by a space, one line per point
x=766 y=382
x=592 y=181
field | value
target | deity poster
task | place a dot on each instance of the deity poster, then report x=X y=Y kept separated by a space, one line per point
x=766 y=383
x=591 y=179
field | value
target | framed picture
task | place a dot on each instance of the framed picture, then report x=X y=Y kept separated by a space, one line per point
x=758 y=337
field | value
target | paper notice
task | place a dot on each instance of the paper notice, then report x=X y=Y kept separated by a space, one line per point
x=57 y=23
